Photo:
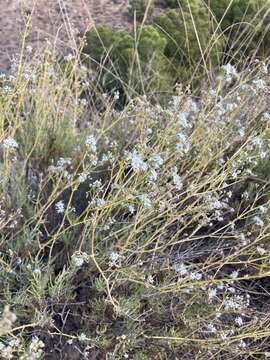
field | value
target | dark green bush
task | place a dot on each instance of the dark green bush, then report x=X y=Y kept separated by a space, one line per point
x=140 y=7
x=189 y=39
x=246 y=22
x=126 y=64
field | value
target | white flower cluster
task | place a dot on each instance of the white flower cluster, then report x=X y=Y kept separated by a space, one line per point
x=60 y=207
x=10 y=143
x=114 y=258
x=91 y=143
x=182 y=145
x=176 y=179
x=79 y=259
x=230 y=73
x=137 y=163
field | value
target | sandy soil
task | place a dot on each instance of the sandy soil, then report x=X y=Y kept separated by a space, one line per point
x=60 y=22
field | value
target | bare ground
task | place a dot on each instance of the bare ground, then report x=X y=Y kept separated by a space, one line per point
x=59 y=22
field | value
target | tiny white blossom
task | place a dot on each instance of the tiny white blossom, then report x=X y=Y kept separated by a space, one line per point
x=82 y=177
x=82 y=337
x=60 y=207
x=182 y=146
x=230 y=72
x=131 y=209
x=153 y=175
x=261 y=250
x=181 y=269
x=137 y=163
x=146 y=201
x=258 y=221
x=234 y=275
x=212 y=293
x=195 y=276
x=259 y=83
x=239 y=321
x=91 y=143
x=10 y=143
x=182 y=120
x=79 y=259
x=114 y=257
x=211 y=328
x=69 y=57
x=177 y=179
x=257 y=142
x=157 y=161
x=100 y=203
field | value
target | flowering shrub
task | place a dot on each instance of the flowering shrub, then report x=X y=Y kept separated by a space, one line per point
x=138 y=233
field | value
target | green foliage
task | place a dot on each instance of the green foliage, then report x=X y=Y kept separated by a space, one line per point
x=139 y=7
x=190 y=39
x=246 y=22
x=126 y=64
x=113 y=51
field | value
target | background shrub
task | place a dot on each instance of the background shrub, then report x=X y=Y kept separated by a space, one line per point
x=140 y=7
x=245 y=22
x=191 y=42
x=129 y=65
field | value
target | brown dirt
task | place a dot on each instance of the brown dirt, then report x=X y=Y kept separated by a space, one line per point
x=59 y=22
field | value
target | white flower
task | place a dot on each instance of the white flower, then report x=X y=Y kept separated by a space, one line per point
x=257 y=221
x=82 y=337
x=177 y=179
x=182 y=146
x=157 y=161
x=261 y=250
x=212 y=293
x=131 y=209
x=100 y=203
x=10 y=143
x=260 y=84
x=146 y=201
x=239 y=321
x=257 y=142
x=69 y=57
x=231 y=304
x=211 y=328
x=230 y=72
x=116 y=95
x=195 y=276
x=181 y=269
x=182 y=120
x=63 y=162
x=91 y=143
x=29 y=48
x=234 y=275
x=82 y=177
x=153 y=175
x=137 y=163
x=7 y=89
x=60 y=207
x=113 y=257
x=213 y=203
x=79 y=259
